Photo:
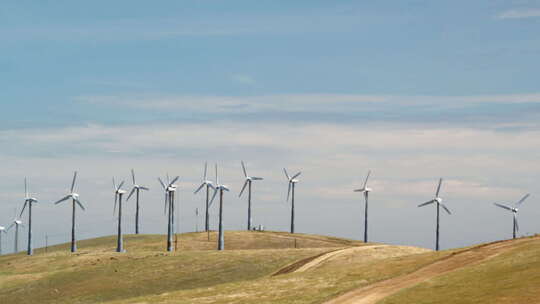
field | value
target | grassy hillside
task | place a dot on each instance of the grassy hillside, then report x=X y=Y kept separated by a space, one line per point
x=265 y=267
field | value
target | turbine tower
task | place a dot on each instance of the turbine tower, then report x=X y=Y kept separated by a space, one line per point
x=170 y=189
x=208 y=184
x=292 y=182
x=28 y=201
x=220 y=188
x=249 y=180
x=2 y=230
x=514 y=211
x=118 y=193
x=437 y=200
x=75 y=200
x=366 y=191
x=136 y=189
x=16 y=222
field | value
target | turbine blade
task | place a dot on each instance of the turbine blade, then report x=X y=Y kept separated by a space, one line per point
x=120 y=186
x=133 y=176
x=296 y=175
x=213 y=197
x=24 y=206
x=162 y=184
x=199 y=189
x=174 y=180
x=360 y=190
x=114 y=184
x=217 y=178
x=211 y=186
x=115 y=202
x=438 y=188
x=144 y=188
x=244 y=169
x=522 y=200
x=426 y=203
x=286 y=174
x=205 y=170
x=62 y=199
x=225 y=188
x=73 y=182
x=80 y=204
x=257 y=178
x=12 y=224
x=166 y=201
x=244 y=187
x=367 y=177
x=503 y=206
x=25 y=189
x=446 y=209
x=289 y=191
x=131 y=193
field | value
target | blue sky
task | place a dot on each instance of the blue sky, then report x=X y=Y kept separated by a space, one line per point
x=412 y=90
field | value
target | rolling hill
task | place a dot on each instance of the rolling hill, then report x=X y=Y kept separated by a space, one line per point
x=272 y=267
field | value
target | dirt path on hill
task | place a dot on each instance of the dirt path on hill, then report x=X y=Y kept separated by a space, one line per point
x=373 y=293
x=371 y=251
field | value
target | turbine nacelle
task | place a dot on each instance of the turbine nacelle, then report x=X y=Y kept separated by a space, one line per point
x=438 y=200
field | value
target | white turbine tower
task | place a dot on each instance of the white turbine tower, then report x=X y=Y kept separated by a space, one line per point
x=16 y=223
x=136 y=189
x=366 y=190
x=220 y=188
x=249 y=180
x=118 y=193
x=28 y=201
x=437 y=200
x=75 y=200
x=514 y=210
x=2 y=230
x=208 y=184
x=170 y=190
x=292 y=182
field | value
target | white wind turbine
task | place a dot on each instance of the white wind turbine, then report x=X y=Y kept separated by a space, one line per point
x=437 y=200
x=208 y=184
x=16 y=223
x=136 y=189
x=366 y=190
x=292 y=182
x=220 y=188
x=2 y=230
x=249 y=180
x=28 y=201
x=75 y=200
x=514 y=210
x=170 y=190
x=118 y=193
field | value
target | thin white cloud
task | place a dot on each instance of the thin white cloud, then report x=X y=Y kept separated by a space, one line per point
x=520 y=13
x=243 y=79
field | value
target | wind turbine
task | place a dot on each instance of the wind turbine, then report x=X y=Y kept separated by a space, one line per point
x=220 y=188
x=2 y=230
x=16 y=222
x=437 y=200
x=75 y=200
x=28 y=201
x=136 y=189
x=170 y=189
x=366 y=190
x=118 y=193
x=292 y=182
x=514 y=211
x=249 y=180
x=208 y=184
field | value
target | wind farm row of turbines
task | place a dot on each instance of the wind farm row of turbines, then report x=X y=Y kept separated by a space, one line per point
x=213 y=189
